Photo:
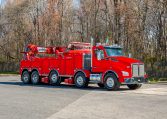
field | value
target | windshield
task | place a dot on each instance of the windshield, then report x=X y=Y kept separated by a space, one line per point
x=114 y=51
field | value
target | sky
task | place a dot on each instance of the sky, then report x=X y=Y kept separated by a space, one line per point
x=2 y=2
x=76 y=3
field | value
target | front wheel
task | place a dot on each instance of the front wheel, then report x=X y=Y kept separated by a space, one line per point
x=134 y=86
x=111 y=82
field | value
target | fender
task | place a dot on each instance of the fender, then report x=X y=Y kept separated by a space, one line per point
x=36 y=70
x=23 y=69
x=55 y=71
x=109 y=71
x=86 y=72
x=28 y=69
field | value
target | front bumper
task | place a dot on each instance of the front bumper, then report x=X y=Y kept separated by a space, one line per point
x=135 y=80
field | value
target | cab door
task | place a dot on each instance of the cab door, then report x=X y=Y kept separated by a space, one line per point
x=100 y=64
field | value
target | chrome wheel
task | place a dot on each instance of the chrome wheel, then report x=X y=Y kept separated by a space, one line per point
x=110 y=82
x=35 y=77
x=54 y=78
x=25 y=77
x=80 y=80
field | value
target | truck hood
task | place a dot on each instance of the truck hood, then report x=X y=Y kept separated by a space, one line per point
x=126 y=60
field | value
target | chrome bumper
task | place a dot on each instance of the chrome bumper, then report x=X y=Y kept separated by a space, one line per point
x=135 y=80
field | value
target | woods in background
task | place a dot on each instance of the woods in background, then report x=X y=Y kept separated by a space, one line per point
x=140 y=26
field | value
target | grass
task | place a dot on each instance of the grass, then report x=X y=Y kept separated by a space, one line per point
x=8 y=73
x=163 y=79
x=155 y=80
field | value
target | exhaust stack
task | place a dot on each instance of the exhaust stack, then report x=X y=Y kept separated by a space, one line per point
x=92 y=41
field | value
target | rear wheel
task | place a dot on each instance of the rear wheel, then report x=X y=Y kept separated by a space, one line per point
x=134 y=86
x=80 y=80
x=35 y=78
x=25 y=77
x=54 y=78
x=111 y=82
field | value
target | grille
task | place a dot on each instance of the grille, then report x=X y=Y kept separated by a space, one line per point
x=138 y=70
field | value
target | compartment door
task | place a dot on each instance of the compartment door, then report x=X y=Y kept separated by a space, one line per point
x=69 y=64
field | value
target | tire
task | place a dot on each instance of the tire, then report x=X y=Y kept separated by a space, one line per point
x=80 y=80
x=35 y=79
x=100 y=85
x=25 y=77
x=54 y=79
x=134 y=86
x=111 y=82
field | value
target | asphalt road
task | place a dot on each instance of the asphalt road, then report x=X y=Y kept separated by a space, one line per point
x=19 y=101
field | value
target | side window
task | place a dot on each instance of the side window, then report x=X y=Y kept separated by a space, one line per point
x=100 y=54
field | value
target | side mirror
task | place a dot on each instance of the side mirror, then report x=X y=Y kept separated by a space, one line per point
x=99 y=56
x=130 y=55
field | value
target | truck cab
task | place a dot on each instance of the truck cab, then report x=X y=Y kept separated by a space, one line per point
x=114 y=68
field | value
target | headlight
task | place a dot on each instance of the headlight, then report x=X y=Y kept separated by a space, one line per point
x=124 y=73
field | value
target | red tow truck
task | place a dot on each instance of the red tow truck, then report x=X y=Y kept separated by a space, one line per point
x=81 y=64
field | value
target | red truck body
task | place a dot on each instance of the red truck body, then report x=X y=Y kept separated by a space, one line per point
x=81 y=64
